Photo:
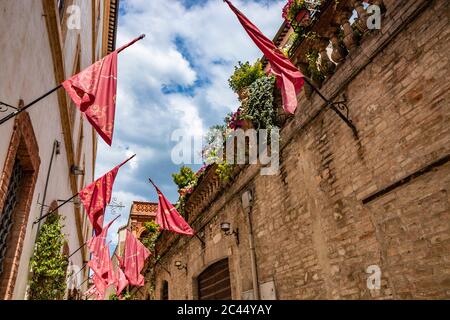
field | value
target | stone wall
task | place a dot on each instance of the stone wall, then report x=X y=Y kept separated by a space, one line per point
x=339 y=203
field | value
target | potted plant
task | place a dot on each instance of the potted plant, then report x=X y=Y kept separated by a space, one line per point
x=244 y=75
x=239 y=120
x=296 y=10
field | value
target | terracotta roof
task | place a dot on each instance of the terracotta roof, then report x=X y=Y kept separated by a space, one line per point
x=144 y=208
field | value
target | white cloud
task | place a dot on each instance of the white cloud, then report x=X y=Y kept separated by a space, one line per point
x=191 y=52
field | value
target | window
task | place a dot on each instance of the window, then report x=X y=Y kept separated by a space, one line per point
x=6 y=218
x=17 y=183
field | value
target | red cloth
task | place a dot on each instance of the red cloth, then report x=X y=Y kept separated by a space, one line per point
x=289 y=78
x=134 y=257
x=97 y=196
x=169 y=218
x=101 y=264
x=93 y=91
x=121 y=281
x=100 y=287
x=96 y=243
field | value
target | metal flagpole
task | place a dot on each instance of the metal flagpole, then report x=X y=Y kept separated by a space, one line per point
x=54 y=210
x=73 y=276
x=16 y=113
x=19 y=111
x=71 y=198
x=84 y=244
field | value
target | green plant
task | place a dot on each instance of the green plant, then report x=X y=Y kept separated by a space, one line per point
x=180 y=204
x=311 y=35
x=259 y=106
x=244 y=75
x=312 y=57
x=48 y=263
x=184 y=178
x=291 y=9
x=151 y=233
x=123 y=296
x=224 y=171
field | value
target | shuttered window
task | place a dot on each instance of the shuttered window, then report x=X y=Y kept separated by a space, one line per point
x=214 y=282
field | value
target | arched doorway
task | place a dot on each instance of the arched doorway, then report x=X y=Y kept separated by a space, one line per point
x=214 y=282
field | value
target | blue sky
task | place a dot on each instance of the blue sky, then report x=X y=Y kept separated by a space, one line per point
x=176 y=78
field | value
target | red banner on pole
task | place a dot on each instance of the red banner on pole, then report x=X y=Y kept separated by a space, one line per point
x=94 y=90
x=134 y=257
x=289 y=78
x=97 y=196
x=169 y=218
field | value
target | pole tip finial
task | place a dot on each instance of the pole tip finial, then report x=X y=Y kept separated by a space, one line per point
x=142 y=36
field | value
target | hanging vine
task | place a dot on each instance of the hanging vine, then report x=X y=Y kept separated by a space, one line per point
x=49 y=264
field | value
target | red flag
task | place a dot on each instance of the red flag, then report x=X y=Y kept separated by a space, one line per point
x=134 y=257
x=101 y=263
x=120 y=261
x=169 y=218
x=96 y=243
x=100 y=287
x=93 y=91
x=289 y=78
x=97 y=195
x=121 y=281
x=91 y=291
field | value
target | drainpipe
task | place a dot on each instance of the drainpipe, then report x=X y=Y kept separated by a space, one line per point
x=54 y=151
x=247 y=206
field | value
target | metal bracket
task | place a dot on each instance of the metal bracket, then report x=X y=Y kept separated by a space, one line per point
x=338 y=107
x=341 y=109
x=4 y=107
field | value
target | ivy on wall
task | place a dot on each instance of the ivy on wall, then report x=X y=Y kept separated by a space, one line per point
x=259 y=106
x=48 y=263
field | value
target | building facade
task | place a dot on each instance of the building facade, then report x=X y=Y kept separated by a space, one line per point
x=47 y=154
x=349 y=216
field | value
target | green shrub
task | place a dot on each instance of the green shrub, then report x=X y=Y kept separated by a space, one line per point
x=259 y=106
x=48 y=263
x=184 y=178
x=244 y=75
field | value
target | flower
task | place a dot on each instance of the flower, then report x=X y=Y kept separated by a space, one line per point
x=236 y=120
x=287 y=8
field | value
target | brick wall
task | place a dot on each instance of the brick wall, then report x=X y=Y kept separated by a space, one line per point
x=315 y=231
x=23 y=146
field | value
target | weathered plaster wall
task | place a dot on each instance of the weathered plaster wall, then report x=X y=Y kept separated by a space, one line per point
x=27 y=73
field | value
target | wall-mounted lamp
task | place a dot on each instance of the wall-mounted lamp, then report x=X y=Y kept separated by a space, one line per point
x=181 y=266
x=226 y=228
x=76 y=171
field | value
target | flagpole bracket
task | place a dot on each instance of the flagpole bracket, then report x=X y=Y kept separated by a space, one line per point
x=342 y=110
x=339 y=107
x=4 y=107
x=201 y=240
